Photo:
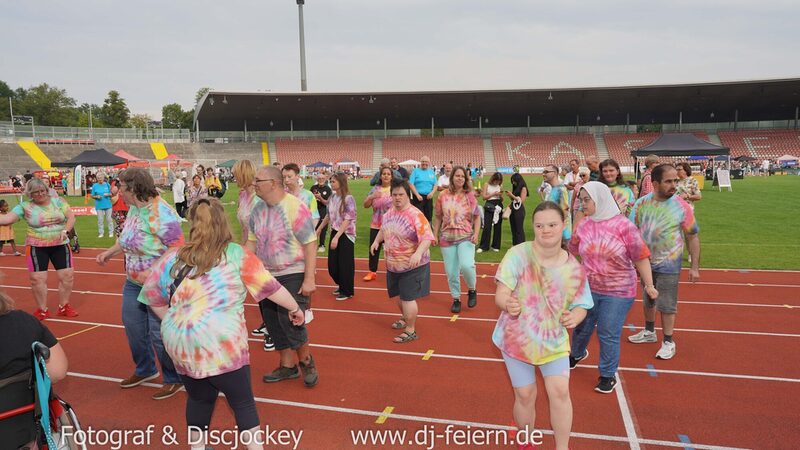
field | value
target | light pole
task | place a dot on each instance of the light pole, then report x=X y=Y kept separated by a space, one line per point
x=11 y=108
x=303 y=85
x=91 y=130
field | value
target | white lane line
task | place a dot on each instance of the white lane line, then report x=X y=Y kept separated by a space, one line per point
x=478 y=358
x=422 y=419
x=627 y=418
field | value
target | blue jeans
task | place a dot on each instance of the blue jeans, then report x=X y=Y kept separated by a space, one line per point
x=459 y=259
x=609 y=315
x=144 y=334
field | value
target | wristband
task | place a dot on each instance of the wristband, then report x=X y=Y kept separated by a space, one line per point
x=649 y=286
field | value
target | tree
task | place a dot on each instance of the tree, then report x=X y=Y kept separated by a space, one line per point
x=5 y=94
x=200 y=93
x=5 y=91
x=48 y=105
x=83 y=116
x=172 y=116
x=115 y=112
x=140 y=120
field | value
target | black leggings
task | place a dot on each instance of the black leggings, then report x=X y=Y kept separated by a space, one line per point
x=203 y=395
x=517 y=221
x=373 y=259
x=324 y=232
x=342 y=264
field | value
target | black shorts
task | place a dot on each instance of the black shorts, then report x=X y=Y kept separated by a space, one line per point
x=39 y=257
x=10 y=241
x=411 y=285
x=276 y=317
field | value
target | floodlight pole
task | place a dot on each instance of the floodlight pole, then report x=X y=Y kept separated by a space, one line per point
x=11 y=108
x=303 y=84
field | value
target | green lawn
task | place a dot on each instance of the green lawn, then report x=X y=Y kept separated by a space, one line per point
x=753 y=227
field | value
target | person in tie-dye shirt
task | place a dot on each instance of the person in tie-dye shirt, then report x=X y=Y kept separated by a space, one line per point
x=49 y=219
x=610 y=246
x=559 y=195
x=664 y=219
x=282 y=235
x=198 y=292
x=152 y=227
x=294 y=186
x=456 y=227
x=612 y=177
x=408 y=238
x=341 y=249
x=380 y=200
x=541 y=291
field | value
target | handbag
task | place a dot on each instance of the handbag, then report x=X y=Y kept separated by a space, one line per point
x=507 y=212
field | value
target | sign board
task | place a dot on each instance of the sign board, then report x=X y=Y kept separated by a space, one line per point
x=83 y=210
x=724 y=177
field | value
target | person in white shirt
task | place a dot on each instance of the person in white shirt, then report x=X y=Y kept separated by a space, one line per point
x=179 y=195
x=444 y=180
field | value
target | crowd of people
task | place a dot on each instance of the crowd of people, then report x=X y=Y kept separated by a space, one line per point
x=183 y=298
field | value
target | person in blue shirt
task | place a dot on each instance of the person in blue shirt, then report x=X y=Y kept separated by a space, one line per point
x=423 y=181
x=101 y=193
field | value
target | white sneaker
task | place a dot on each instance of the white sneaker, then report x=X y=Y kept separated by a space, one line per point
x=2 y=254
x=100 y=235
x=480 y=250
x=667 y=350
x=321 y=250
x=643 y=337
x=495 y=249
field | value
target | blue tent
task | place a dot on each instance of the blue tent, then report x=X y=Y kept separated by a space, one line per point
x=318 y=164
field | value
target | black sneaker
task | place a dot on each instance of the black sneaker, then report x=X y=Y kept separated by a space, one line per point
x=456 y=308
x=472 y=298
x=269 y=344
x=336 y=292
x=606 y=385
x=281 y=373
x=260 y=331
x=309 y=371
x=574 y=361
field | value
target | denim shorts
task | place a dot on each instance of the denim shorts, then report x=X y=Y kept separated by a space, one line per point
x=667 y=287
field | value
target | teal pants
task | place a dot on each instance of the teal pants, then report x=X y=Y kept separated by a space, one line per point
x=459 y=259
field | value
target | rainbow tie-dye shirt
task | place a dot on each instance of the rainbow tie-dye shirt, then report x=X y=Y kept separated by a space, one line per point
x=536 y=336
x=310 y=201
x=559 y=195
x=337 y=216
x=403 y=231
x=456 y=213
x=204 y=330
x=662 y=225
x=623 y=195
x=280 y=232
x=608 y=249
x=379 y=205
x=247 y=202
x=147 y=234
x=45 y=223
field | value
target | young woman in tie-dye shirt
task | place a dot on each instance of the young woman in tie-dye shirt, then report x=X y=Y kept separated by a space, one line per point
x=341 y=249
x=612 y=177
x=380 y=200
x=609 y=246
x=541 y=290
x=198 y=291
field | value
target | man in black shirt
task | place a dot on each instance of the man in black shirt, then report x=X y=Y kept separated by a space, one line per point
x=322 y=192
x=396 y=167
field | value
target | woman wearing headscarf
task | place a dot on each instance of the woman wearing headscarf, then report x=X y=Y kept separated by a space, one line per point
x=610 y=246
x=518 y=195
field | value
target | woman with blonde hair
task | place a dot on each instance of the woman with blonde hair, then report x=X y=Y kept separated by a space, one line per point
x=198 y=291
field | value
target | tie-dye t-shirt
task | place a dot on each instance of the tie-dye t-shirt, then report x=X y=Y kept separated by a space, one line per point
x=310 y=201
x=45 y=223
x=337 y=217
x=204 y=330
x=623 y=195
x=558 y=195
x=147 y=234
x=536 y=336
x=280 y=232
x=608 y=249
x=662 y=225
x=247 y=202
x=380 y=205
x=403 y=231
x=456 y=213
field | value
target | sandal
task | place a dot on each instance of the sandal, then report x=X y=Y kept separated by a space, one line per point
x=405 y=336
x=399 y=324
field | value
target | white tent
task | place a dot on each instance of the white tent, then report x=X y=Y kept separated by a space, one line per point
x=410 y=162
x=787 y=158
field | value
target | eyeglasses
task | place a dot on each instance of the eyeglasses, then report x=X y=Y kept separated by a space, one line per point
x=548 y=171
x=258 y=180
x=38 y=192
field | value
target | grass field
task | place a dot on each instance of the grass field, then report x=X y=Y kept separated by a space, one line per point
x=753 y=227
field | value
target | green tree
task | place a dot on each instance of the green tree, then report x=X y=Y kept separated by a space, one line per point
x=200 y=93
x=5 y=90
x=140 y=120
x=115 y=112
x=172 y=115
x=83 y=116
x=48 y=105
x=5 y=94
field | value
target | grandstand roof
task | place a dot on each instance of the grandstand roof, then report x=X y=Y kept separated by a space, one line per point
x=698 y=103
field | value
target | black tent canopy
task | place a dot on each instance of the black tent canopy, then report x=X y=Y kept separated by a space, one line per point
x=678 y=144
x=92 y=158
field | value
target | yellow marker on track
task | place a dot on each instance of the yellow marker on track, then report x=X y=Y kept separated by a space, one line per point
x=454 y=318
x=78 y=332
x=428 y=355
x=385 y=414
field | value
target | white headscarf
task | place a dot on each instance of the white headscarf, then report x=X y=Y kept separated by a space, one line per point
x=605 y=205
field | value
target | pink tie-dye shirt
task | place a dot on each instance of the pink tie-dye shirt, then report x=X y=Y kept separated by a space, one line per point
x=337 y=217
x=403 y=231
x=45 y=223
x=280 y=232
x=456 y=213
x=607 y=250
x=204 y=330
x=380 y=205
x=536 y=336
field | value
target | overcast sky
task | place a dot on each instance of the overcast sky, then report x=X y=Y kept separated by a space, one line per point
x=159 y=52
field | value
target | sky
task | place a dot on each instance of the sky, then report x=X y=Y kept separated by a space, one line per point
x=160 y=52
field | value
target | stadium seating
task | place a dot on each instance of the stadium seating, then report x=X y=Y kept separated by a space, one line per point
x=307 y=151
x=541 y=149
x=460 y=150
x=762 y=143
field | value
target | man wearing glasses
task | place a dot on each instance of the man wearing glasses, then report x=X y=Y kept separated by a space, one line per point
x=281 y=233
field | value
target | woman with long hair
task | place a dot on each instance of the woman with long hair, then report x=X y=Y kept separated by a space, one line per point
x=456 y=224
x=341 y=256
x=492 y=214
x=541 y=291
x=611 y=176
x=380 y=200
x=518 y=195
x=198 y=291
x=611 y=250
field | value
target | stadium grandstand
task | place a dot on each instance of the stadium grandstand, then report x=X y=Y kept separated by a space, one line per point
x=495 y=129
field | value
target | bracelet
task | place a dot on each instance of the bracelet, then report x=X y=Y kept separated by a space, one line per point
x=649 y=286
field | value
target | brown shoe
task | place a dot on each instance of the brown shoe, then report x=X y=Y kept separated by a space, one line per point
x=167 y=391
x=135 y=380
